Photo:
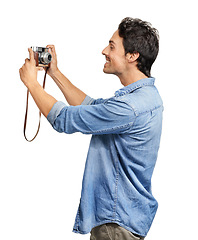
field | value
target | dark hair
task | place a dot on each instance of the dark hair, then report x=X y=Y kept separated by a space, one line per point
x=139 y=36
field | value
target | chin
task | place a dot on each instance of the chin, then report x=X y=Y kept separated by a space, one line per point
x=107 y=71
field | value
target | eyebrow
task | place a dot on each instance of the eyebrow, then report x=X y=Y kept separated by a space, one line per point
x=111 y=42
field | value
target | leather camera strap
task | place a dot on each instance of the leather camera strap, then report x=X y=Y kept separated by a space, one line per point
x=26 y=113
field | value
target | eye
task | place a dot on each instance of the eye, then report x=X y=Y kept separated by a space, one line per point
x=111 y=47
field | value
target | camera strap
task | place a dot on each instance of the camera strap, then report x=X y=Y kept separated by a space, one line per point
x=26 y=113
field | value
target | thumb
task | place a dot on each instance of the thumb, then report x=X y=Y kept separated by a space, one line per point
x=31 y=55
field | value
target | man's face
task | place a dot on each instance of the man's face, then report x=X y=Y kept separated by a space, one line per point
x=115 y=56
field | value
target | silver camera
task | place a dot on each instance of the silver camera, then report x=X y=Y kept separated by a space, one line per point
x=42 y=56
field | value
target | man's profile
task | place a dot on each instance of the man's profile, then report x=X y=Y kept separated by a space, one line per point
x=116 y=199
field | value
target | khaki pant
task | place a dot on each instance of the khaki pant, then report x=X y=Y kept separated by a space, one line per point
x=112 y=231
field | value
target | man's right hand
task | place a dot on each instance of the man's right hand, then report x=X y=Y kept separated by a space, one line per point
x=53 y=68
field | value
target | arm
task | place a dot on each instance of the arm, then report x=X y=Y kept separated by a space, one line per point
x=111 y=117
x=43 y=100
x=73 y=95
x=28 y=75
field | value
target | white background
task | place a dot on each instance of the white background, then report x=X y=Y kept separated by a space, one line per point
x=40 y=182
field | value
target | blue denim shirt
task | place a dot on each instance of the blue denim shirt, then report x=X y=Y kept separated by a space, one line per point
x=126 y=130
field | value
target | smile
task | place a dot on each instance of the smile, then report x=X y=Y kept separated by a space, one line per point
x=107 y=60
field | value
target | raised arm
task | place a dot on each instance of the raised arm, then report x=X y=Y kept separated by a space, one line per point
x=73 y=95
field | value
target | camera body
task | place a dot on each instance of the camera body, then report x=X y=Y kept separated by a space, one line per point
x=42 y=56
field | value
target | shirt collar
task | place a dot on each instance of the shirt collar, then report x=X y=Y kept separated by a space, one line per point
x=133 y=86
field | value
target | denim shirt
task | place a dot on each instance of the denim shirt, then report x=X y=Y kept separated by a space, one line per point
x=126 y=130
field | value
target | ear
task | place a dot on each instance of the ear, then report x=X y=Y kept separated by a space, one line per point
x=132 y=57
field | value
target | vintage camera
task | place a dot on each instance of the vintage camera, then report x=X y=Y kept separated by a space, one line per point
x=42 y=56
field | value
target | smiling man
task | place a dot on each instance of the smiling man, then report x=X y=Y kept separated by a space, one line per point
x=116 y=199
x=120 y=63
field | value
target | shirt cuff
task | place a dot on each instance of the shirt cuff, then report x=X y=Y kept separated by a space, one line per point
x=55 y=111
x=87 y=101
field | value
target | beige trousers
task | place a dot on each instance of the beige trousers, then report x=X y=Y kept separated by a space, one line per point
x=112 y=231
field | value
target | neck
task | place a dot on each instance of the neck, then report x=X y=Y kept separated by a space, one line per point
x=131 y=77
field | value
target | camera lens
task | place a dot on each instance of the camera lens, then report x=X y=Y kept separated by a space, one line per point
x=50 y=58
x=46 y=57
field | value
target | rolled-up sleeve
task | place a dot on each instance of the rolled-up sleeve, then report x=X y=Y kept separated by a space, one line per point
x=108 y=117
x=55 y=111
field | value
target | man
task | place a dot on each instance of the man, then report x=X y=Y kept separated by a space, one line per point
x=116 y=199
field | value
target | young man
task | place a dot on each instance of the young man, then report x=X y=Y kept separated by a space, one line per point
x=116 y=199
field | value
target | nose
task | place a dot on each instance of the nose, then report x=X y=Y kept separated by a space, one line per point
x=104 y=52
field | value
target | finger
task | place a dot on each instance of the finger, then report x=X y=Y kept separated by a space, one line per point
x=31 y=54
x=50 y=46
x=39 y=68
x=52 y=53
x=27 y=60
x=52 y=49
x=20 y=72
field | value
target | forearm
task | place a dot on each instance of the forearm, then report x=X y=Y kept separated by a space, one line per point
x=73 y=95
x=43 y=100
